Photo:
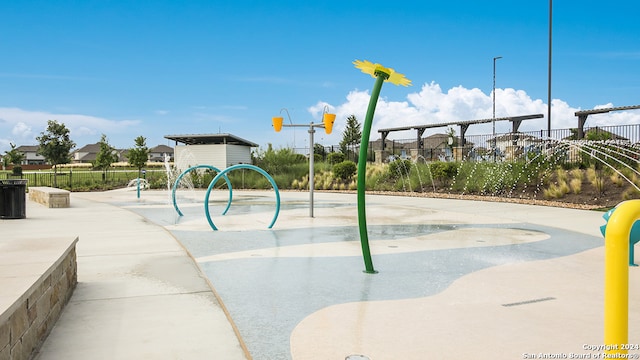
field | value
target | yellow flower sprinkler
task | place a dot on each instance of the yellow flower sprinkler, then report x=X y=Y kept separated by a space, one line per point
x=381 y=74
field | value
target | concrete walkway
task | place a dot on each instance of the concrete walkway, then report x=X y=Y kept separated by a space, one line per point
x=457 y=279
x=139 y=294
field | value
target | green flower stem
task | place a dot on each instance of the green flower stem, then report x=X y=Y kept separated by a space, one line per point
x=362 y=171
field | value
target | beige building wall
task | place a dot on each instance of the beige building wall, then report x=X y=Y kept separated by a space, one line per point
x=221 y=156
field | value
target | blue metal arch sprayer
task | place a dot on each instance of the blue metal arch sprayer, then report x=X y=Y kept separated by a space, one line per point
x=210 y=167
x=223 y=173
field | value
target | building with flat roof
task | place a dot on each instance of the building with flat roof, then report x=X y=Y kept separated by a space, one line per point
x=219 y=150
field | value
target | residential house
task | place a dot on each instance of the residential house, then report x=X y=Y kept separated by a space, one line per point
x=513 y=145
x=157 y=153
x=31 y=156
x=88 y=153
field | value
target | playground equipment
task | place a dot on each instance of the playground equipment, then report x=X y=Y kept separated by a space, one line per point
x=140 y=184
x=617 y=234
x=327 y=125
x=177 y=182
x=223 y=174
x=634 y=235
x=381 y=74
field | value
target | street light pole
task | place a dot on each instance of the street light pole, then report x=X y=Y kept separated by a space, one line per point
x=493 y=95
x=549 y=73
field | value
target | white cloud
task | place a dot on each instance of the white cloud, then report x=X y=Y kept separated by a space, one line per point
x=431 y=105
x=21 y=130
x=23 y=126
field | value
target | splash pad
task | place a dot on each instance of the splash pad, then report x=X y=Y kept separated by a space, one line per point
x=223 y=175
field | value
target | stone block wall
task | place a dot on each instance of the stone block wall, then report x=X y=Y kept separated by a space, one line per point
x=50 y=197
x=35 y=313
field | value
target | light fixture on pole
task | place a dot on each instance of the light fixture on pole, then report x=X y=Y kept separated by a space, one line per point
x=493 y=100
x=327 y=124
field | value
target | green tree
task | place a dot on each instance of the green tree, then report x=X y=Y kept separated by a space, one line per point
x=344 y=170
x=14 y=157
x=139 y=155
x=335 y=157
x=106 y=156
x=351 y=135
x=318 y=149
x=55 y=146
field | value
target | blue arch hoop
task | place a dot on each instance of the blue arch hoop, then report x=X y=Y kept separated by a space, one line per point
x=177 y=182
x=235 y=167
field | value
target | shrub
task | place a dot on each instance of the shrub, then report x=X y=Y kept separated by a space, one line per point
x=630 y=193
x=335 y=157
x=556 y=191
x=595 y=179
x=576 y=185
x=278 y=161
x=443 y=172
x=399 y=168
x=577 y=174
x=561 y=175
x=599 y=185
x=617 y=179
x=344 y=170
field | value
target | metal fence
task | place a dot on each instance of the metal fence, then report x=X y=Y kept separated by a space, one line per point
x=87 y=180
x=485 y=146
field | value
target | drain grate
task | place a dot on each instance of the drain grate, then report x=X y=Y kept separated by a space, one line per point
x=529 y=301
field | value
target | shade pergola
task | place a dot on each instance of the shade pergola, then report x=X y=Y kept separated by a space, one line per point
x=583 y=114
x=464 y=126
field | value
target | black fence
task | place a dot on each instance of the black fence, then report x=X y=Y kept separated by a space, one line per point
x=85 y=180
x=503 y=146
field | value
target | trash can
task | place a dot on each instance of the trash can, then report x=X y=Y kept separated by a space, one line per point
x=13 y=199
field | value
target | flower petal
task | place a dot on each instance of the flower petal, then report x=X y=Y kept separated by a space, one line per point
x=370 y=68
x=366 y=67
x=399 y=79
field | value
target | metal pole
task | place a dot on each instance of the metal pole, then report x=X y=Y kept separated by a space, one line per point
x=311 y=173
x=493 y=118
x=549 y=75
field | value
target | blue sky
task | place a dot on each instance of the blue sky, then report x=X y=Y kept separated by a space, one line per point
x=154 y=68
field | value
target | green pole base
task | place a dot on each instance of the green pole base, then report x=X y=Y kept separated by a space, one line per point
x=370 y=271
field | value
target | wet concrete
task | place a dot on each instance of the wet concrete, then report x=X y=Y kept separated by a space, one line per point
x=272 y=280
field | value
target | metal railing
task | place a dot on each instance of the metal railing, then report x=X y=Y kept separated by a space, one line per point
x=84 y=180
x=488 y=146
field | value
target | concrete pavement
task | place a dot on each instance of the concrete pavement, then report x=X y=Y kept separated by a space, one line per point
x=139 y=293
x=457 y=279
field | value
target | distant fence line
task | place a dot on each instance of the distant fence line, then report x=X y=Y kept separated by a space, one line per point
x=475 y=147
x=69 y=179
x=478 y=143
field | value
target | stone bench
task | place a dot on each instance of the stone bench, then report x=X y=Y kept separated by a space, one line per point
x=37 y=278
x=50 y=197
